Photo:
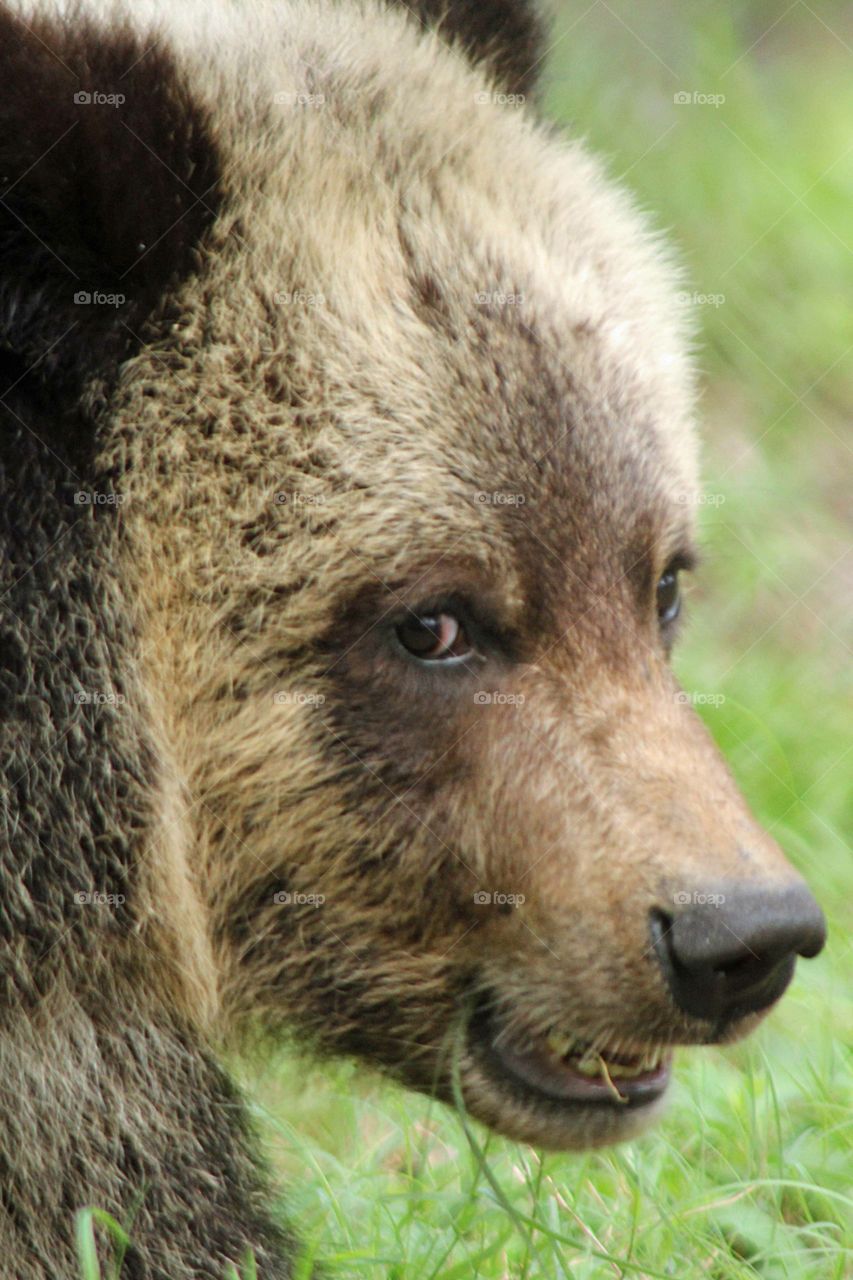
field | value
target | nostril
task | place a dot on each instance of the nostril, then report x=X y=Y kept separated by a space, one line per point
x=715 y=988
x=660 y=928
x=728 y=953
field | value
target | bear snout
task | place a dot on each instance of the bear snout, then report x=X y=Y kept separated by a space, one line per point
x=728 y=951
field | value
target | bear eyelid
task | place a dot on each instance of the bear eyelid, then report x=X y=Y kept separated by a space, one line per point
x=685 y=560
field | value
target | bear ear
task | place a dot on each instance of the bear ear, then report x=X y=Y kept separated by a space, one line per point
x=108 y=179
x=507 y=35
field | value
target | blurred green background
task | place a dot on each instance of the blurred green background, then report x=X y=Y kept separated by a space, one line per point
x=751 y=1174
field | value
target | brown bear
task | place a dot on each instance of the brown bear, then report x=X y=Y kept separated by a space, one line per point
x=347 y=468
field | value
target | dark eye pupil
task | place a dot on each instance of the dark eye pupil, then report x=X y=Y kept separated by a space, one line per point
x=433 y=636
x=668 y=597
x=420 y=635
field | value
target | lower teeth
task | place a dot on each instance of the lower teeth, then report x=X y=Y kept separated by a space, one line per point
x=593 y=1065
x=559 y=1045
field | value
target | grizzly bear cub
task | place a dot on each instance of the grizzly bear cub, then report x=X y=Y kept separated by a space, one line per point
x=348 y=471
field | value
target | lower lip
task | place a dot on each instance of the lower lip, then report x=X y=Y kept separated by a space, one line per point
x=549 y=1076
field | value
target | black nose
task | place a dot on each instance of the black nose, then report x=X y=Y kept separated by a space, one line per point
x=727 y=951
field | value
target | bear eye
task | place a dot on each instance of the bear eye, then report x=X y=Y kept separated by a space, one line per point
x=668 y=597
x=434 y=637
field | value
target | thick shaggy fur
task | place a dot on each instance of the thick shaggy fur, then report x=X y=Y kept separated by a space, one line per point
x=360 y=292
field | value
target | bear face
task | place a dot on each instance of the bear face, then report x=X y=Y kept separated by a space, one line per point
x=409 y=395
x=396 y=410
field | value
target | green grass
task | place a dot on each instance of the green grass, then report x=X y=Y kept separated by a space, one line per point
x=751 y=1173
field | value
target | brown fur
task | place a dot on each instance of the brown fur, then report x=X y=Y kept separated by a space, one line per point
x=301 y=410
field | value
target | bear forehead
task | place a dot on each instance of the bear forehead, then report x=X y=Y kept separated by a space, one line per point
x=405 y=201
x=464 y=302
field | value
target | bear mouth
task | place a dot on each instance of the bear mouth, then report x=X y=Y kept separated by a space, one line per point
x=561 y=1068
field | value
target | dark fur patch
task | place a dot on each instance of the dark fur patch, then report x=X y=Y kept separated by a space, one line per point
x=97 y=196
x=76 y=776
x=508 y=35
x=108 y=180
x=86 y=180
